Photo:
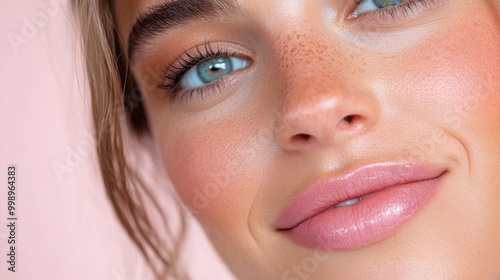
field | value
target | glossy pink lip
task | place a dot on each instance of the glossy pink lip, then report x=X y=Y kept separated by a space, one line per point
x=396 y=192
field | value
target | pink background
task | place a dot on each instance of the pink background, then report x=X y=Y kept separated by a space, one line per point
x=65 y=228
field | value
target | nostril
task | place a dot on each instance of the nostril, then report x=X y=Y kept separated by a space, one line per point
x=349 y=119
x=302 y=137
x=349 y=122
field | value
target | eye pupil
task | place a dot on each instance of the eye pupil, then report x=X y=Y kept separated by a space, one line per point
x=214 y=68
x=218 y=67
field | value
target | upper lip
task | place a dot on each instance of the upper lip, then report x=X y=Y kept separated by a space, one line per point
x=331 y=190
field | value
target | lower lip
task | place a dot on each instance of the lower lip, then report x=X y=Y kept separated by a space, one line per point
x=370 y=220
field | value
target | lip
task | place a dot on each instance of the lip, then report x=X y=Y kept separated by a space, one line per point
x=393 y=192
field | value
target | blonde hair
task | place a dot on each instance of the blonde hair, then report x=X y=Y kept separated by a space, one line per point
x=110 y=88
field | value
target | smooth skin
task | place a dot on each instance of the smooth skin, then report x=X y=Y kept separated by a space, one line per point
x=323 y=93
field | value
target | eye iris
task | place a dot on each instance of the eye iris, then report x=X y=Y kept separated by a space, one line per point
x=214 y=68
x=387 y=3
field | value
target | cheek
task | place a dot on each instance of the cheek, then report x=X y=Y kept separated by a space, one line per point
x=211 y=164
x=198 y=166
x=454 y=78
x=453 y=82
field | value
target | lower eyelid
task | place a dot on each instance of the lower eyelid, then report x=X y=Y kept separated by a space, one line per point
x=212 y=92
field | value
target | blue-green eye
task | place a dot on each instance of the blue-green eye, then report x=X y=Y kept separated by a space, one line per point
x=211 y=70
x=372 y=5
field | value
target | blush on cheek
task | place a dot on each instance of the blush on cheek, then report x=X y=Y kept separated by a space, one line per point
x=208 y=168
x=456 y=75
x=192 y=163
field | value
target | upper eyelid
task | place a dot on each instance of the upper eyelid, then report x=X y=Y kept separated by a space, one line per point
x=207 y=50
x=166 y=16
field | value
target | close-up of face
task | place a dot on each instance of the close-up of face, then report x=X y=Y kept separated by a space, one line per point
x=328 y=139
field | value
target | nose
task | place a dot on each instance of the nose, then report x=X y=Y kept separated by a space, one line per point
x=320 y=107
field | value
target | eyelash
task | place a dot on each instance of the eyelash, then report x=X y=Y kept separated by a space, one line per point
x=174 y=73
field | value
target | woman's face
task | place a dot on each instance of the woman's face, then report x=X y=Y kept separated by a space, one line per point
x=268 y=115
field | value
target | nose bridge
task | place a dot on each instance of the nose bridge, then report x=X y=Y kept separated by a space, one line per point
x=304 y=54
x=311 y=69
x=319 y=103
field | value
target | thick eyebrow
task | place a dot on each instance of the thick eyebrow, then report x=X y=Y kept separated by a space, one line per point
x=159 y=18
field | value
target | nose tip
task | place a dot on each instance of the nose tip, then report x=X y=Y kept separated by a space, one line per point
x=325 y=122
